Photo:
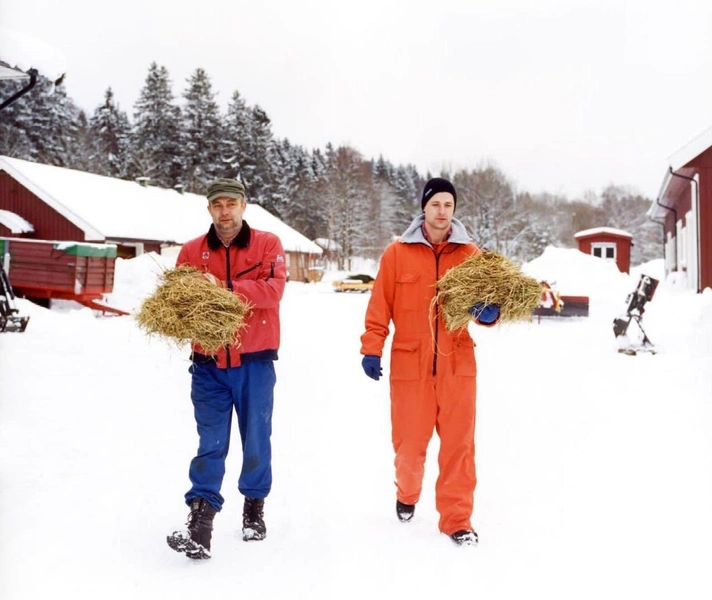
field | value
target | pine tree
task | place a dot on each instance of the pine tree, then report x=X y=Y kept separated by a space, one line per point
x=259 y=171
x=15 y=121
x=406 y=186
x=251 y=151
x=318 y=194
x=237 y=139
x=285 y=178
x=60 y=143
x=202 y=125
x=79 y=155
x=294 y=195
x=109 y=139
x=44 y=126
x=157 y=134
x=384 y=206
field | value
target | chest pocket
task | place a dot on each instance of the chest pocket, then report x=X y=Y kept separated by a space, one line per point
x=409 y=295
x=250 y=272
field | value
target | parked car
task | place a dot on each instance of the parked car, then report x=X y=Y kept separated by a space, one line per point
x=355 y=283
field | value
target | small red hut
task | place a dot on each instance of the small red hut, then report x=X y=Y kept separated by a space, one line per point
x=608 y=243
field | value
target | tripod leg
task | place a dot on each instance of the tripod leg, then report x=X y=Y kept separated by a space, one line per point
x=646 y=341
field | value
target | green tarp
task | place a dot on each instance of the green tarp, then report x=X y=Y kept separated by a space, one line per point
x=70 y=248
x=76 y=249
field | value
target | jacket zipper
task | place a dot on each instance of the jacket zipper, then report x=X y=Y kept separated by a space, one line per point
x=229 y=285
x=252 y=268
x=437 y=313
x=228 y=279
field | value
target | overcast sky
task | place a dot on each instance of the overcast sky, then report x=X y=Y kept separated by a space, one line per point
x=562 y=95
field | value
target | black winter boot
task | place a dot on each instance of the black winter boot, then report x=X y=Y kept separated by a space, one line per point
x=465 y=537
x=405 y=512
x=253 y=524
x=195 y=542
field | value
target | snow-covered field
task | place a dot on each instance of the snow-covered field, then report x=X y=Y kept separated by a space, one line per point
x=594 y=468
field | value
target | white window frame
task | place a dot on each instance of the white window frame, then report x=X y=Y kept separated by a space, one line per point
x=603 y=246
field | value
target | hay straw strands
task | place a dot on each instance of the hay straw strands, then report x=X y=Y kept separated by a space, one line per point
x=489 y=278
x=187 y=307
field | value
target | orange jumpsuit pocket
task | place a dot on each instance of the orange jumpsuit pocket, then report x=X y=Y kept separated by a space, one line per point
x=405 y=360
x=406 y=296
x=464 y=364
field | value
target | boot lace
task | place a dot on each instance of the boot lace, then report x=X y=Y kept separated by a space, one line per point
x=253 y=510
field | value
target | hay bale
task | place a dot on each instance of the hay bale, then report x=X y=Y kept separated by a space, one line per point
x=187 y=307
x=489 y=278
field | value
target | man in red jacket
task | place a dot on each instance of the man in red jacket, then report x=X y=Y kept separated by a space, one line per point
x=433 y=371
x=251 y=264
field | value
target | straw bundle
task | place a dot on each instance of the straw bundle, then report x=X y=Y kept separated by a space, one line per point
x=489 y=278
x=187 y=307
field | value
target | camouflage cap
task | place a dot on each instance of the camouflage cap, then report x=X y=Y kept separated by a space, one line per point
x=225 y=188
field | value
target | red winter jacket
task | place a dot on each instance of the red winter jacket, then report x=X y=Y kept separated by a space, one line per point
x=254 y=267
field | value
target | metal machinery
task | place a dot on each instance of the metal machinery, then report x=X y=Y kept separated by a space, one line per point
x=636 y=302
x=10 y=320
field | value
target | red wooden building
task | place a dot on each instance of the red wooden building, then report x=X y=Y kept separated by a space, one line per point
x=44 y=202
x=607 y=243
x=684 y=209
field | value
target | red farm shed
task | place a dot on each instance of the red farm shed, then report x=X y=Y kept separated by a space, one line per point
x=608 y=243
x=44 y=202
x=66 y=205
x=684 y=210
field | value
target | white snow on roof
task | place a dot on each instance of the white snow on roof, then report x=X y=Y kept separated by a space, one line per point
x=691 y=150
x=597 y=230
x=109 y=209
x=8 y=73
x=15 y=223
x=328 y=244
x=26 y=52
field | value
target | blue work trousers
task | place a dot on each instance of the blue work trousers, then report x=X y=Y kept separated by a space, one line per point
x=214 y=392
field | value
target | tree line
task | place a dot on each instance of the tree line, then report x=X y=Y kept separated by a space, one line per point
x=334 y=193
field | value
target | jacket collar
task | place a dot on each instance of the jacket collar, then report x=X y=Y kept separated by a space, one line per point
x=414 y=233
x=241 y=240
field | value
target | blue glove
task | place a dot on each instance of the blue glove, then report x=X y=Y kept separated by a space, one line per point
x=372 y=366
x=485 y=313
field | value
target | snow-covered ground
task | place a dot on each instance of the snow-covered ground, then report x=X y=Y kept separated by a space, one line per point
x=594 y=468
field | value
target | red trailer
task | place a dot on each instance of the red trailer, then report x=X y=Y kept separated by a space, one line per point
x=79 y=271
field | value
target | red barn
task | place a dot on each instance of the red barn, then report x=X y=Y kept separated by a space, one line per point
x=684 y=209
x=44 y=202
x=607 y=243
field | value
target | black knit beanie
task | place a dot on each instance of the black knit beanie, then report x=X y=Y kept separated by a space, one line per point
x=435 y=185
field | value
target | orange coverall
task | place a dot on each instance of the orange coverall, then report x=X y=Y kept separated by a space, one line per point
x=432 y=371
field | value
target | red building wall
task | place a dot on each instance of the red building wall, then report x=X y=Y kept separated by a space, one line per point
x=48 y=224
x=703 y=166
x=623 y=245
x=679 y=196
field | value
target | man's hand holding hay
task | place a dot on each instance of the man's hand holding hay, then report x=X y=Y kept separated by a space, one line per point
x=214 y=280
x=476 y=287
x=189 y=305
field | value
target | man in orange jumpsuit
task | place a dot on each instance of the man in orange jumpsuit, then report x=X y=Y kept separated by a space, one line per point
x=433 y=371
